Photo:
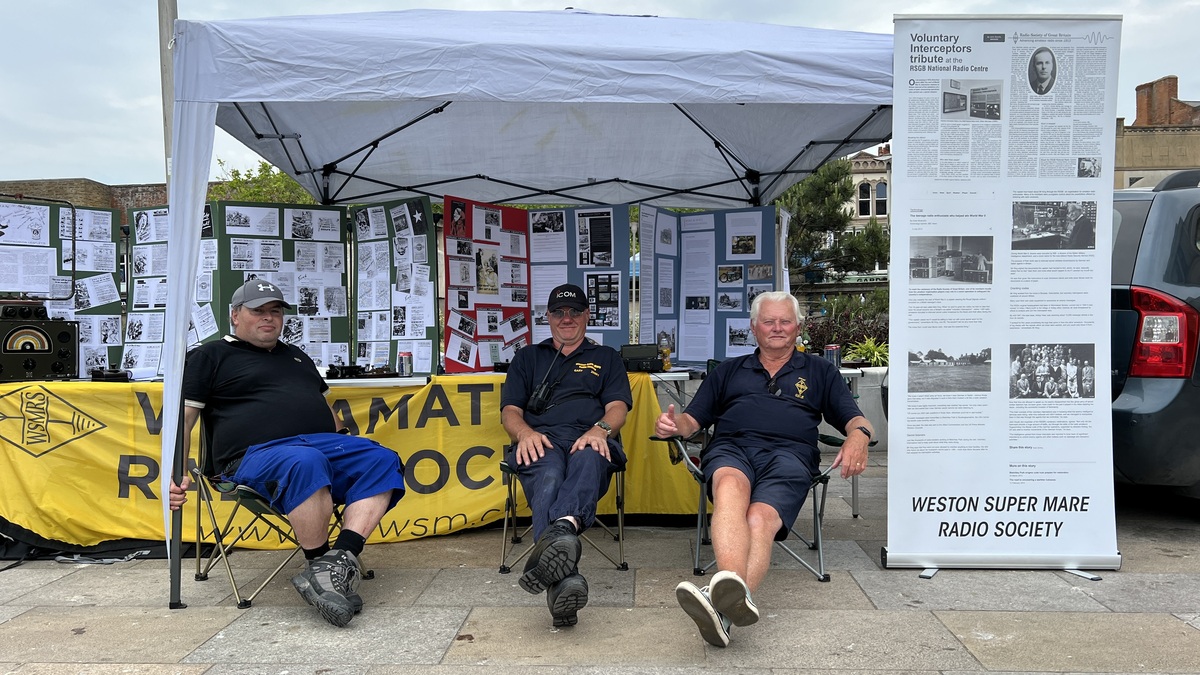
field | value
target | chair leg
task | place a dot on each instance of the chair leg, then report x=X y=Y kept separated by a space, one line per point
x=817 y=495
x=854 y=496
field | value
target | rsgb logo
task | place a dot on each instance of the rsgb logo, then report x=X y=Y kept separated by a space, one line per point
x=801 y=387
x=37 y=421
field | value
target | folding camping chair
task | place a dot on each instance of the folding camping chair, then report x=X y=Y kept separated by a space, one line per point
x=677 y=447
x=509 y=544
x=226 y=536
x=679 y=454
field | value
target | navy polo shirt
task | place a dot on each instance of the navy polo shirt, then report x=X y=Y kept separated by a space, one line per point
x=588 y=379
x=737 y=397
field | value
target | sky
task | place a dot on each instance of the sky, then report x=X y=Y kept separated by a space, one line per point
x=80 y=89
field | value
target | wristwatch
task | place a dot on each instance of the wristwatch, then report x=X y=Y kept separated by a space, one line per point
x=865 y=431
x=605 y=426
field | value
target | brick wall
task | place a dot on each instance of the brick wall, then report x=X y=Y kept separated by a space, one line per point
x=1158 y=105
x=83 y=192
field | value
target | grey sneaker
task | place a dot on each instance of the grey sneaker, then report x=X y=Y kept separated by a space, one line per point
x=731 y=598
x=330 y=583
x=714 y=628
x=565 y=598
x=553 y=559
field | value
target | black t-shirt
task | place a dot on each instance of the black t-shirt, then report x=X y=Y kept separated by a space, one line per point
x=738 y=397
x=589 y=379
x=251 y=395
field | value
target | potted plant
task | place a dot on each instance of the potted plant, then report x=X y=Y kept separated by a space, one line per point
x=867 y=352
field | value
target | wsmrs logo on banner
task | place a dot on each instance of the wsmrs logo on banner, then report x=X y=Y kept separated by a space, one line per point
x=38 y=421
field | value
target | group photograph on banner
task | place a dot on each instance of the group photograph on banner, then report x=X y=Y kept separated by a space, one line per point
x=1000 y=451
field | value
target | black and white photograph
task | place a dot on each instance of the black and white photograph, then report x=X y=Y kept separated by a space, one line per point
x=293 y=330
x=696 y=302
x=950 y=361
x=730 y=301
x=461 y=323
x=1058 y=370
x=399 y=322
x=462 y=247
x=308 y=300
x=1088 y=167
x=301 y=226
x=1053 y=226
x=760 y=271
x=594 y=238
x=1043 y=71
x=753 y=290
x=729 y=275
x=950 y=260
x=547 y=221
x=972 y=99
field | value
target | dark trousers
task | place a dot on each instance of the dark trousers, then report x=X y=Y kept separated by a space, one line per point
x=564 y=484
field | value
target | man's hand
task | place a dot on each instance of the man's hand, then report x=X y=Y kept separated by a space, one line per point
x=531 y=446
x=594 y=438
x=853 y=456
x=666 y=426
x=178 y=493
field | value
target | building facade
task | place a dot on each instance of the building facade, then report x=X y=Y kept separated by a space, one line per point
x=1164 y=136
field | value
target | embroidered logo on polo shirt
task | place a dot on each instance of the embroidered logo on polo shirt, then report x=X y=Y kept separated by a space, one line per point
x=801 y=387
x=593 y=368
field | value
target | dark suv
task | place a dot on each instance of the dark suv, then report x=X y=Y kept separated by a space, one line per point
x=1156 y=333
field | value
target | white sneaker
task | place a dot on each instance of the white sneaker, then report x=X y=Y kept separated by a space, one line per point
x=714 y=628
x=731 y=597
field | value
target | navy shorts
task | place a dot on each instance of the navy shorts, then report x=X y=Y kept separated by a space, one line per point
x=289 y=470
x=779 y=477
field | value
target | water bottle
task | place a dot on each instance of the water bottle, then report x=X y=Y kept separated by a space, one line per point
x=664 y=350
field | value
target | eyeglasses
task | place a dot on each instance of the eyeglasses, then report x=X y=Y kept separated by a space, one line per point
x=773 y=387
x=560 y=313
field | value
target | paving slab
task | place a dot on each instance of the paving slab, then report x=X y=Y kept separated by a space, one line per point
x=840 y=556
x=1133 y=592
x=272 y=635
x=1029 y=591
x=618 y=637
x=28 y=578
x=9 y=611
x=471 y=548
x=1191 y=619
x=471 y=587
x=288 y=669
x=473 y=670
x=873 y=640
x=782 y=589
x=1077 y=642
x=1159 y=547
x=109 y=634
x=109 y=669
x=132 y=586
x=391 y=587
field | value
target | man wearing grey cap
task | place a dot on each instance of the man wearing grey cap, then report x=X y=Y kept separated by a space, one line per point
x=264 y=409
x=563 y=402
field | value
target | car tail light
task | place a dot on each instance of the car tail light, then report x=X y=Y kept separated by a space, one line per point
x=1168 y=329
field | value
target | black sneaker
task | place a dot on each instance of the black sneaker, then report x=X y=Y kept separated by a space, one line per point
x=330 y=583
x=553 y=558
x=565 y=598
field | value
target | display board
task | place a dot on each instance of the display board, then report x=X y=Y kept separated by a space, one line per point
x=1006 y=242
x=704 y=270
x=395 y=249
x=39 y=258
x=487 y=315
x=300 y=248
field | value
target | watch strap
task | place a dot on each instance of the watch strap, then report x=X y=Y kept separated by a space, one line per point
x=865 y=431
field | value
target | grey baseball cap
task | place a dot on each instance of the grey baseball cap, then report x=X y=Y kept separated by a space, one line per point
x=256 y=293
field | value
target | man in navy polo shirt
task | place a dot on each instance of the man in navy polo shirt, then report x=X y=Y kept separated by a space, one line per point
x=563 y=402
x=264 y=408
x=762 y=456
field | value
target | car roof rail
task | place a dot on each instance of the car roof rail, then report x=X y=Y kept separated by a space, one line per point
x=1189 y=178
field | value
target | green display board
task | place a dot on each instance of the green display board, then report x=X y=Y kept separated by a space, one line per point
x=44 y=259
x=395 y=290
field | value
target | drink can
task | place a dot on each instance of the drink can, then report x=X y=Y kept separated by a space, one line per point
x=833 y=354
x=404 y=364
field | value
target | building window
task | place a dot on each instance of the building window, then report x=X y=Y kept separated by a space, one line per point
x=864 y=200
x=881 y=199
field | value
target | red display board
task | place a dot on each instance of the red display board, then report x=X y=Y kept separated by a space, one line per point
x=487 y=284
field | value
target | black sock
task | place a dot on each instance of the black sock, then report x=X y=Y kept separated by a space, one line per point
x=314 y=553
x=349 y=540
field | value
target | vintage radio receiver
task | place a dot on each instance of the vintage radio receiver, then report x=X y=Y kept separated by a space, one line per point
x=641 y=358
x=38 y=350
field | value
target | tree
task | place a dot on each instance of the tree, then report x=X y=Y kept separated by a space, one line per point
x=268 y=184
x=818 y=246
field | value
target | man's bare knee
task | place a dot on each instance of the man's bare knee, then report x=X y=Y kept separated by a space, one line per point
x=763 y=520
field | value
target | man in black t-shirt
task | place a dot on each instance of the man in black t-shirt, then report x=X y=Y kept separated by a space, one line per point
x=563 y=402
x=271 y=429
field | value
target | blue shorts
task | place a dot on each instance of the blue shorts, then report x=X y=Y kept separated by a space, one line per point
x=779 y=477
x=289 y=470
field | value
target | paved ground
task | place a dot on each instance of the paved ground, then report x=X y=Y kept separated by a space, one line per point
x=439 y=606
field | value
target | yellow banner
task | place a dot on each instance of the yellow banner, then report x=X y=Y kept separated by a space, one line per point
x=79 y=461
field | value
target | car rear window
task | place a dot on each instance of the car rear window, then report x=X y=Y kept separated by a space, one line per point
x=1129 y=219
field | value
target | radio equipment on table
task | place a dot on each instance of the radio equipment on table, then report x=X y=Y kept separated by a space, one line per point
x=33 y=347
